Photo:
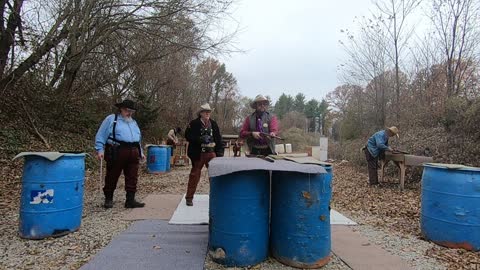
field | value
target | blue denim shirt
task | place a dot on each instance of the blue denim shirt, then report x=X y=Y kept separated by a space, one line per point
x=124 y=131
x=377 y=143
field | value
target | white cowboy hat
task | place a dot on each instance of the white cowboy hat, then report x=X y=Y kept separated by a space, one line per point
x=205 y=107
x=258 y=99
x=394 y=130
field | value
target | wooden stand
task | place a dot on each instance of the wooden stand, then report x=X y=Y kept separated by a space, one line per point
x=402 y=161
x=180 y=155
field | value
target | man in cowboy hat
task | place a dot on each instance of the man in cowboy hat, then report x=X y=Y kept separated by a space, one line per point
x=172 y=138
x=260 y=128
x=376 y=146
x=205 y=143
x=118 y=142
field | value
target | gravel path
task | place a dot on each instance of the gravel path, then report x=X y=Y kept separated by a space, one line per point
x=100 y=226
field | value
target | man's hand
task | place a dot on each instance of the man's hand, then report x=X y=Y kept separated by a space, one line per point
x=273 y=134
x=143 y=157
x=256 y=135
x=100 y=155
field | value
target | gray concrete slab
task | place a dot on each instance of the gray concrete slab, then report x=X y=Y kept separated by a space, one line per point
x=153 y=244
x=359 y=254
x=157 y=206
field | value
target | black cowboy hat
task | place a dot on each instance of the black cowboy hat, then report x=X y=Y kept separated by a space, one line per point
x=127 y=103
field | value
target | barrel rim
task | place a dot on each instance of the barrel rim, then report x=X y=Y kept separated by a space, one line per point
x=159 y=145
x=447 y=166
x=63 y=154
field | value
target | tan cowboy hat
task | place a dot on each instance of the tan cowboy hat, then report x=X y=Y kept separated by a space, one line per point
x=258 y=99
x=394 y=130
x=205 y=107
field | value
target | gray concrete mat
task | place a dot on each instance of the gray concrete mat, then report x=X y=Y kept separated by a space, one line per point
x=157 y=206
x=153 y=244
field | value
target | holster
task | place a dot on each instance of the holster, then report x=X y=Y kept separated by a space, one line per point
x=111 y=152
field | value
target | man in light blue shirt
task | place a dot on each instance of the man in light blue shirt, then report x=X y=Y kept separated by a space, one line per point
x=118 y=142
x=376 y=146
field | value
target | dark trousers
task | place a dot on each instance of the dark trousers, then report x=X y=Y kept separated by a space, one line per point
x=236 y=150
x=372 y=164
x=196 y=172
x=126 y=160
x=171 y=143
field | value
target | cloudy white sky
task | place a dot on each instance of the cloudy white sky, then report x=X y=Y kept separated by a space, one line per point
x=291 y=46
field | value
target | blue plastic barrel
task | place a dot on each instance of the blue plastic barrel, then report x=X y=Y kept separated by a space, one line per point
x=300 y=219
x=52 y=196
x=329 y=168
x=169 y=155
x=238 y=218
x=450 y=208
x=157 y=159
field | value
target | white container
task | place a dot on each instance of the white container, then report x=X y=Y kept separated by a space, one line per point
x=319 y=154
x=288 y=148
x=324 y=143
x=279 y=148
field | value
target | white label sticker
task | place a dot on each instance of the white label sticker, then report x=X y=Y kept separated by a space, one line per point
x=41 y=196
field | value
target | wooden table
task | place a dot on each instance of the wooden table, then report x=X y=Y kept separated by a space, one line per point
x=402 y=161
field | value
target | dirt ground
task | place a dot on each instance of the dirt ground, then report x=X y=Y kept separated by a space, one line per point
x=388 y=216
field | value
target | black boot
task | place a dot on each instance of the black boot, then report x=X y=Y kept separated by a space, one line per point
x=131 y=202
x=108 y=200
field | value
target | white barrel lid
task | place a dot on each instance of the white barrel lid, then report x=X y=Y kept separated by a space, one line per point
x=226 y=165
x=52 y=156
x=451 y=166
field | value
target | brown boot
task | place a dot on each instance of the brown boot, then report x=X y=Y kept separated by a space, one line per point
x=131 y=202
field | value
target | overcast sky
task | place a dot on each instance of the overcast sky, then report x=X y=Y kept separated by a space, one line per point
x=291 y=46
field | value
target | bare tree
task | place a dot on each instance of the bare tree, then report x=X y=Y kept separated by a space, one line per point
x=456 y=26
x=11 y=23
x=367 y=61
x=79 y=27
x=393 y=15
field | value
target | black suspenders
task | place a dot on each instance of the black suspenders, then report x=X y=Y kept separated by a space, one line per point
x=113 y=130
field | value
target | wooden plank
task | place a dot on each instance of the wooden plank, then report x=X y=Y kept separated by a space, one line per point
x=394 y=157
x=411 y=160
x=227 y=137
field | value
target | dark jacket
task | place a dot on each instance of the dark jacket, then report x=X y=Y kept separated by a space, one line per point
x=192 y=134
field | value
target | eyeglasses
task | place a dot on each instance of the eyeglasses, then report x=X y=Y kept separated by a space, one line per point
x=130 y=110
x=263 y=104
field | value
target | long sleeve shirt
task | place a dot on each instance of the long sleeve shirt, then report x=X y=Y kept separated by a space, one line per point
x=245 y=131
x=172 y=136
x=377 y=143
x=125 y=131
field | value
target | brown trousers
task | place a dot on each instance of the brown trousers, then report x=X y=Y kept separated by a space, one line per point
x=372 y=164
x=196 y=172
x=127 y=160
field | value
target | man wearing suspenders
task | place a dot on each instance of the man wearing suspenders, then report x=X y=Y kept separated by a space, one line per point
x=118 y=142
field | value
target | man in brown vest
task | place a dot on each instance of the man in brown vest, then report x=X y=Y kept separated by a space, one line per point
x=260 y=128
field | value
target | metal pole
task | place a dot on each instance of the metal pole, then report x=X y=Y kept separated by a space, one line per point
x=101 y=175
